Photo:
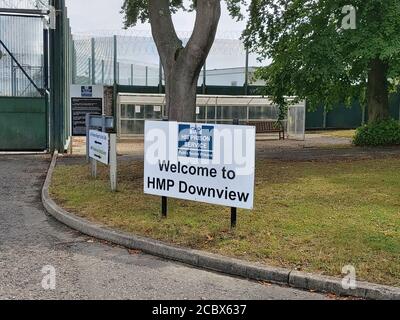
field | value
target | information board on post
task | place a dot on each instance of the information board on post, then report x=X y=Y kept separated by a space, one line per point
x=200 y=162
x=85 y=100
x=99 y=146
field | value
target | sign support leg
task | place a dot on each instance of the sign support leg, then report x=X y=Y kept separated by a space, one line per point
x=87 y=121
x=94 y=168
x=113 y=162
x=233 y=218
x=236 y=122
x=164 y=207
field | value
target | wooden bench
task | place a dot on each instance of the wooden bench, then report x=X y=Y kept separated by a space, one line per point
x=269 y=127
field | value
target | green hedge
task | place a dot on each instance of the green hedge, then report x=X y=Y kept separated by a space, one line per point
x=382 y=133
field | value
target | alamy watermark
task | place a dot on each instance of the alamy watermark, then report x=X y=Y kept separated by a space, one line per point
x=211 y=145
x=49 y=279
x=349 y=20
x=349 y=282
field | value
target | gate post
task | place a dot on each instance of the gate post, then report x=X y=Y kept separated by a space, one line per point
x=93 y=44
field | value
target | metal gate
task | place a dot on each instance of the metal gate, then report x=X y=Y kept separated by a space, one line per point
x=23 y=106
x=23 y=124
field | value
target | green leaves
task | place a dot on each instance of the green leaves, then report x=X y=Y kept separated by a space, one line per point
x=314 y=57
x=136 y=10
x=380 y=133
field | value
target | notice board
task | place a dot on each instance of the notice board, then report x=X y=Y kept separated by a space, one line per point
x=84 y=100
x=80 y=107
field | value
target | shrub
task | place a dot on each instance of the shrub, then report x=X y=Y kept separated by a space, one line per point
x=381 y=133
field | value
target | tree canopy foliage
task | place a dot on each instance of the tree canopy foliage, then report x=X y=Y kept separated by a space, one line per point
x=315 y=56
x=137 y=10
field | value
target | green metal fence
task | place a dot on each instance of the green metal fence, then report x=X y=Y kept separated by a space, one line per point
x=342 y=117
x=35 y=76
x=23 y=107
x=23 y=124
x=61 y=48
x=211 y=90
x=130 y=57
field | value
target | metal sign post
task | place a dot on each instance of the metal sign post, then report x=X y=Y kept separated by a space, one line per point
x=97 y=122
x=234 y=210
x=113 y=162
x=164 y=200
x=93 y=164
x=101 y=146
x=233 y=217
x=164 y=207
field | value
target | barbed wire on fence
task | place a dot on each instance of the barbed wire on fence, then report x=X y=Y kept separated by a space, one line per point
x=138 y=59
x=134 y=32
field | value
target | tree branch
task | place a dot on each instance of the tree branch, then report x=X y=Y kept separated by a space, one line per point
x=163 y=31
x=208 y=13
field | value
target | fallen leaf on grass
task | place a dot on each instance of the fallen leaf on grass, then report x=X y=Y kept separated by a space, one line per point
x=209 y=238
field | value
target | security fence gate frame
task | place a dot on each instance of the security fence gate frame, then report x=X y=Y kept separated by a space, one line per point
x=35 y=73
x=23 y=107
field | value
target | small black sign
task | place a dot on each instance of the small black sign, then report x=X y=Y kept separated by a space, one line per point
x=81 y=107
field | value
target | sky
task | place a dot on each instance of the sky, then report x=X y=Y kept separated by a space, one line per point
x=95 y=15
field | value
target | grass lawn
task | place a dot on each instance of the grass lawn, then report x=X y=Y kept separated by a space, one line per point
x=339 y=133
x=313 y=216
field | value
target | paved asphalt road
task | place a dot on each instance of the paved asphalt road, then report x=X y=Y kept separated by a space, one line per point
x=87 y=269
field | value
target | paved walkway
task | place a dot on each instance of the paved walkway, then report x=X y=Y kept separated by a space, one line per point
x=87 y=269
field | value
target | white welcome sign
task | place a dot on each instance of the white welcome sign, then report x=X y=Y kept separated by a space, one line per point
x=200 y=162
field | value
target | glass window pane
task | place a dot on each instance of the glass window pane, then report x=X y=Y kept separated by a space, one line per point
x=255 y=113
x=264 y=112
x=211 y=112
x=138 y=115
x=123 y=110
x=202 y=113
x=219 y=112
x=130 y=111
x=138 y=127
x=132 y=127
x=157 y=112
x=126 y=126
x=234 y=112
x=226 y=113
x=148 y=112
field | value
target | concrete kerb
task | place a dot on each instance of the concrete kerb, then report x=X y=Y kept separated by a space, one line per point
x=214 y=262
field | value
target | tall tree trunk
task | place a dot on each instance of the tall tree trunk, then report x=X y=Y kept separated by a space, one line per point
x=378 y=92
x=182 y=90
x=182 y=65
